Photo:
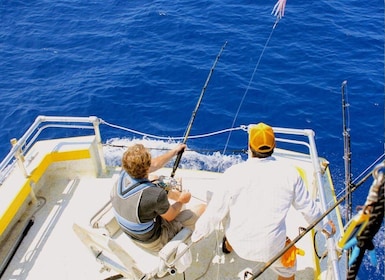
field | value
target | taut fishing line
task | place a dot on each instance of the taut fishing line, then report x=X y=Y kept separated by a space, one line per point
x=249 y=84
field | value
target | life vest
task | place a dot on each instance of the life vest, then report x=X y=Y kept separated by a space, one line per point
x=125 y=198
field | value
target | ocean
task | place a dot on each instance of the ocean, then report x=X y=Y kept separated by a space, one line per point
x=143 y=65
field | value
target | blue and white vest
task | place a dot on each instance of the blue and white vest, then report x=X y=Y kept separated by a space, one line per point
x=125 y=198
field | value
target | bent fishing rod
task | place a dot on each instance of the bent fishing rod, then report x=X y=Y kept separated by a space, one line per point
x=179 y=156
x=306 y=230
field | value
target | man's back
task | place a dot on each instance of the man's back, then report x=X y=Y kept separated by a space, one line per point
x=261 y=192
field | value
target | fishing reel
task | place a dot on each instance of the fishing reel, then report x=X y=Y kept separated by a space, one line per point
x=167 y=183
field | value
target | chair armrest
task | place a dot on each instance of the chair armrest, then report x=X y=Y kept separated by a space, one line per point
x=169 y=250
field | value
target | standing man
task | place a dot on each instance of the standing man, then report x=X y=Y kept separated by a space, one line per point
x=255 y=197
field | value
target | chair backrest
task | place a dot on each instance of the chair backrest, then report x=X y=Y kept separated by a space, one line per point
x=108 y=252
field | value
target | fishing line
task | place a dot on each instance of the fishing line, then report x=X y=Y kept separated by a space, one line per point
x=370 y=167
x=250 y=81
x=363 y=174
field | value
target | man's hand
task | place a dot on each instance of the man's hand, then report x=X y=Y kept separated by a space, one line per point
x=329 y=229
x=184 y=197
x=174 y=194
x=179 y=148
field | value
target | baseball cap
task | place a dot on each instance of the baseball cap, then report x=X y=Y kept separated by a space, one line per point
x=261 y=138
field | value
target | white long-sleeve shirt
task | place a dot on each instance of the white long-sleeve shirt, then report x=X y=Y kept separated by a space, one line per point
x=256 y=195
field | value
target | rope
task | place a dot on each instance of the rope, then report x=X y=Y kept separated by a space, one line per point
x=241 y=127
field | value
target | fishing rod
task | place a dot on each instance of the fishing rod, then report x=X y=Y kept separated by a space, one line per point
x=306 y=230
x=179 y=156
x=347 y=152
x=347 y=157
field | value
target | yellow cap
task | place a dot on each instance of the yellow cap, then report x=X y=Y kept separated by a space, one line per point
x=261 y=138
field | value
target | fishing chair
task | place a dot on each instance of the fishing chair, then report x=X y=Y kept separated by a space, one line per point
x=116 y=251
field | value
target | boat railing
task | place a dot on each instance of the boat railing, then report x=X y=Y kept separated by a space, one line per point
x=25 y=142
x=22 y=145
x=331 y=244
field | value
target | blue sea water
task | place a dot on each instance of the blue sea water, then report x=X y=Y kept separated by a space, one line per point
x=143 y=65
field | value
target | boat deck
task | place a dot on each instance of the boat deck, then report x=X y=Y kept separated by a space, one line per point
x=52 y=250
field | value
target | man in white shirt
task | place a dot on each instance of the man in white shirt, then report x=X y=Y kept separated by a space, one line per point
x=255 y=198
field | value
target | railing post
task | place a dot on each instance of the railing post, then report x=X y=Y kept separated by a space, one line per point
x=19 y=158
x=96 y=122
x=20 y=162
x=331 y=246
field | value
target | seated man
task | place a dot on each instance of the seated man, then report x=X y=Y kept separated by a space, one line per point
x=142 y=208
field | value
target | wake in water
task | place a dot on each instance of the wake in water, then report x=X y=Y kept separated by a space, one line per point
x=192 y=159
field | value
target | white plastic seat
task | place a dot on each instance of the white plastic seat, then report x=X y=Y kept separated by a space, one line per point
x=117 y=251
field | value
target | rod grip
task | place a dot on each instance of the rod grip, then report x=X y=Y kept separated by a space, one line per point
x=176 y=163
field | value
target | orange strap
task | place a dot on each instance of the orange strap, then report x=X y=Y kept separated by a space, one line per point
x=289 y=258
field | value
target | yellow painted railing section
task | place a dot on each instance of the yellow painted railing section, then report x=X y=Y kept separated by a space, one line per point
x=35 y=176
x=316 y=260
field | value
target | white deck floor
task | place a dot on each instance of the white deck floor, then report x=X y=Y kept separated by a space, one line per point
x=51 y=250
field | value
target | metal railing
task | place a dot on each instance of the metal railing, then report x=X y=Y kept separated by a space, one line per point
x=21 y=146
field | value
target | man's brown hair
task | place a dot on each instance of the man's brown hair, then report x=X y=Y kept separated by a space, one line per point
x=136 y=161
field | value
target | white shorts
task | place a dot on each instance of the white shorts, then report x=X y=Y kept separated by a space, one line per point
x=282 y=270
